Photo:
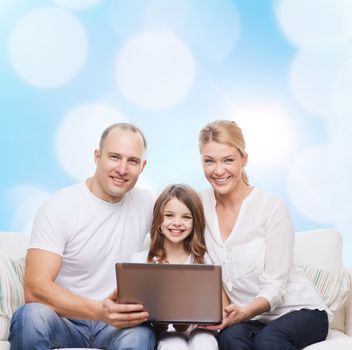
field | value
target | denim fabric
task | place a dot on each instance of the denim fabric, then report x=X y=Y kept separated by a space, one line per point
x=292 y=331
x=36 y=326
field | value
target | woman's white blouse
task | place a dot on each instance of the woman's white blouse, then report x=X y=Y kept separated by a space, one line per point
x=257 y=257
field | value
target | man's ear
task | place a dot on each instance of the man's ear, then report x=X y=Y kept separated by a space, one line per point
x=144 y=163
x=96 y=156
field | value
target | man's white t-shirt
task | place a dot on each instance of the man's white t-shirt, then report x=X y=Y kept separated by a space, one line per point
x=92 y=235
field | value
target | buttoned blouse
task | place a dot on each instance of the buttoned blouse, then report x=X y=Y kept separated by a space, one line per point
x=257 y=256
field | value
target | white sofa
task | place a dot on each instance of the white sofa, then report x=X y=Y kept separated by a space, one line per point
x=319 y=249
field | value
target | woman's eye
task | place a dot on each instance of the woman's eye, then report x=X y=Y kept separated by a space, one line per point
x=229 y=161
x=208 y=161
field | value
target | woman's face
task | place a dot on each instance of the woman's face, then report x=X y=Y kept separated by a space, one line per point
x=222 y=165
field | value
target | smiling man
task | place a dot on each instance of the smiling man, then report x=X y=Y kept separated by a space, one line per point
x=78 y=236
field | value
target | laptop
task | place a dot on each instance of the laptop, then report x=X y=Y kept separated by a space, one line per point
x=173 y=293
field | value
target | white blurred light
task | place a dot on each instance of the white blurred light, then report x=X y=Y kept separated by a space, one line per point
x=155 y=70
x=212 y=28
x=313 y=187
x=312 y=77
x=48 y=47
x=316 y=23
x=78 y=136
x=77 y=4
x=342 y=90
x=268 y=133
x=26 y=200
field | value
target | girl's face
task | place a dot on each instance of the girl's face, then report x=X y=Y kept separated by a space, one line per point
x=177 y=221
x=222 y=165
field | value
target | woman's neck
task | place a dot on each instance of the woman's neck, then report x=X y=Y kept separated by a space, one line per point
x=176 y=252
x=235 y=197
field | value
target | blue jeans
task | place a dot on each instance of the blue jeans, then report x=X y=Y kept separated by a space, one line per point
x=292 y=331
x=36 y=326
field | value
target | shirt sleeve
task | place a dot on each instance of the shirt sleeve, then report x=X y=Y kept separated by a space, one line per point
x=278 y=256
x=49 y=230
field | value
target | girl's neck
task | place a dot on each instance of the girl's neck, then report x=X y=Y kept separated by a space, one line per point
x=176 y=253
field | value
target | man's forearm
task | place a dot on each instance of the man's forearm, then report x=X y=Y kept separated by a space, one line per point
x=63 y=302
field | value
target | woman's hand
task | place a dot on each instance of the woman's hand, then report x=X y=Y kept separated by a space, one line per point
x=231 y=314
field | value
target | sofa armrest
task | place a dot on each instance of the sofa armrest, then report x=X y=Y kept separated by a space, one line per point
x=349 y=307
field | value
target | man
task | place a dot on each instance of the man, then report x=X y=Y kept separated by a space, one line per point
x=78 y=236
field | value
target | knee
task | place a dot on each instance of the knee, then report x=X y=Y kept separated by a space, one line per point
x=226 y=338
x=202 y=340
x=269 y=340
x=236 y=337
x=33 y=315
x=173 y=342
x=137 y=338
x=28 y=322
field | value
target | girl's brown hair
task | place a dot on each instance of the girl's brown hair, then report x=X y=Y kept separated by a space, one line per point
x=194 y=243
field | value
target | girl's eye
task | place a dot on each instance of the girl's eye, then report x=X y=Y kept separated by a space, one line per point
x=168 y=215
x=188 y=217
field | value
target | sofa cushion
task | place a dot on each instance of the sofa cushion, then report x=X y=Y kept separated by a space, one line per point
x=11 y=291
x=333 y=287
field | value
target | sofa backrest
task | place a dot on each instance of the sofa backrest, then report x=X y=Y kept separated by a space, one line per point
x=319 y=249
x=14 y=244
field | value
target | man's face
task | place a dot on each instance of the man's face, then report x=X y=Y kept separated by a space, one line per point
x=119 y=164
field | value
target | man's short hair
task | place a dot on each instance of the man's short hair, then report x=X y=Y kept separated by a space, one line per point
x=122 y=126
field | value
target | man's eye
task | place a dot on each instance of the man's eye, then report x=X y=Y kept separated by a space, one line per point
x=133 y=162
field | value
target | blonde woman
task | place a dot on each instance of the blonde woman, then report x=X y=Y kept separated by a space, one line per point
x=249 y=232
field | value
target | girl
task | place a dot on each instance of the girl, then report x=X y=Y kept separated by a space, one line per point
x=250 y=234
x=177 y=237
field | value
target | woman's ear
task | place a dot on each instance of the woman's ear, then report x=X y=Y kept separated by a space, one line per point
x=245 y=158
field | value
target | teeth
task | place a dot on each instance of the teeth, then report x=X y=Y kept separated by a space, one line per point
x=120 y=181
x=221 y=180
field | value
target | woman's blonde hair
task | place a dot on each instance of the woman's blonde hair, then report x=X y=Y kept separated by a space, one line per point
x=194 y=244
x=225 y=132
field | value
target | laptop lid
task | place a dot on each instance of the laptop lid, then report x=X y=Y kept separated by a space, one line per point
x=173 y=293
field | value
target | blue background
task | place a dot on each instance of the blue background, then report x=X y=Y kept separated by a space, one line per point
x=281 y=69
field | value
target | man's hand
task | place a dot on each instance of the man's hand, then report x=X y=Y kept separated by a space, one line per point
x=121 y=315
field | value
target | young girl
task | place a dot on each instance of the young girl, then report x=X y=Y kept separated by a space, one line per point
x=177 y=237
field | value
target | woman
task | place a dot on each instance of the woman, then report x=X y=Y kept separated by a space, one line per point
x=250 y=233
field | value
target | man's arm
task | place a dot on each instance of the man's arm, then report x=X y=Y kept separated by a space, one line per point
x=41 y=270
